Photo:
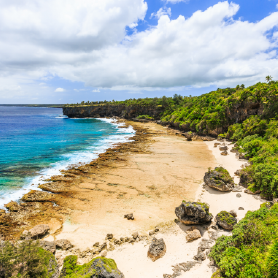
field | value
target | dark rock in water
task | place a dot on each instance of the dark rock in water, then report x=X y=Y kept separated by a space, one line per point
x=37 y=196
x=129 y=216
x=193 y=213
x=63 y=244
x=48 y=245
x=225 y=220
x=219 y=179
x=157 y=249
x=12 y=206
x=97 y=268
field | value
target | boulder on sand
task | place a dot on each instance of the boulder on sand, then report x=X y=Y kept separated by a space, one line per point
x=225 y=220
x=157 y=249
x=97 y=268
x=192 y=234
x=193 y=213
x=63 y=244
x=37 y=231
x=219 y=179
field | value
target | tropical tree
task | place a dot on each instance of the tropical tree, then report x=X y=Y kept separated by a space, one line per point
x=268 y=78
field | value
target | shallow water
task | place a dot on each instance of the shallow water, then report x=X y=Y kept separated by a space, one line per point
x=36 y=142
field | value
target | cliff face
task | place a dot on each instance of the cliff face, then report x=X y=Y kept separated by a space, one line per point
x=123 y=111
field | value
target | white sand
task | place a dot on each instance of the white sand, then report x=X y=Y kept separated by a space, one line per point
x=132 y=259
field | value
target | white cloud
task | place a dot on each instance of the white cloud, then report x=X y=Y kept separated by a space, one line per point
x=59 y=90
x=96 y=91
x=86 y=41
x=162 y=11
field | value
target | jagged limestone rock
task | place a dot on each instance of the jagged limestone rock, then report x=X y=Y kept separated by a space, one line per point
x=219 y=179
x=97 y=268
x=226 y=220
x=157 y=249
x=193 y=213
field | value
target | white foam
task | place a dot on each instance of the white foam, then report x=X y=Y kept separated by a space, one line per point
x=77 y=158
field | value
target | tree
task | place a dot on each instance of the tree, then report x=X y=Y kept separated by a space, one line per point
x=268 y=78
x=242 y=86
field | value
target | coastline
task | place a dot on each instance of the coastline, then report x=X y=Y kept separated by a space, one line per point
x=70 y=160
x=148 y=176
x=67 y=195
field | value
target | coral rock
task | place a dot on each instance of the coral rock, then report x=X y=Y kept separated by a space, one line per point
x=192 y=234
x=226 y=220
x=157 y=249
x=193 y=213
x=219 y=179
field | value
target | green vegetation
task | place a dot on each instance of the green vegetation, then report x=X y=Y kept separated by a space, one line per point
x=91 y=269
x=224 y=175
x=248 y=116
x=227 y=217
x=26 y=259
x=145 y=117
x=252 y=249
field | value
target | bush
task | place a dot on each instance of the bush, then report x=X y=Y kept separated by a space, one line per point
x=26 y=259
x=246 y=253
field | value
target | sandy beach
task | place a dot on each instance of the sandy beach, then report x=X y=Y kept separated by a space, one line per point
x=149 y=184
x=148 y=177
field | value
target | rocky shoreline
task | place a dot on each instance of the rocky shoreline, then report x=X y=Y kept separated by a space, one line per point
x=26 y=219
x=41 y=206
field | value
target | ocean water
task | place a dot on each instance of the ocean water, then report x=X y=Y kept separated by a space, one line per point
x=35 y=143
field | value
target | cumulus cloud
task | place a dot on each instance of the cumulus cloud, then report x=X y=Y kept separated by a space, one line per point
x=96 y=91
x=162 y=11
x=58 y=90
x=86 y=41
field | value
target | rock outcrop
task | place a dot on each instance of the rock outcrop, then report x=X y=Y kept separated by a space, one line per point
x=37 y=196
x=97 y=268
x=225 y=220
x=192 y=234
x=193 y=213
x=63 y=244
x=36 y=232
x=157 y=249
x=129 y=216
x=48 y=245
x=219 y=179
x=12 y=206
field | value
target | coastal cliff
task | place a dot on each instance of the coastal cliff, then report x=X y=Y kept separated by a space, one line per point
x=111 y=110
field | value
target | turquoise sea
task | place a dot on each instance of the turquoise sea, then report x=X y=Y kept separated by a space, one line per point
x=37 y=142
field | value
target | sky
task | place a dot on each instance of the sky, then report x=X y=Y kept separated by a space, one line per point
x=68 y=51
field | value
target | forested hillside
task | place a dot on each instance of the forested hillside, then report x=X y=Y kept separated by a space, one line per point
x=248 y=116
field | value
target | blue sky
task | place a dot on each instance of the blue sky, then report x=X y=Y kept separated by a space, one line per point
x=134 y=49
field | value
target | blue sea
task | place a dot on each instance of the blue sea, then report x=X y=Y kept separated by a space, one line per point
x=36 y=143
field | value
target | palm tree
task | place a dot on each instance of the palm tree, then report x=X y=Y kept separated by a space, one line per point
x=268 y=78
